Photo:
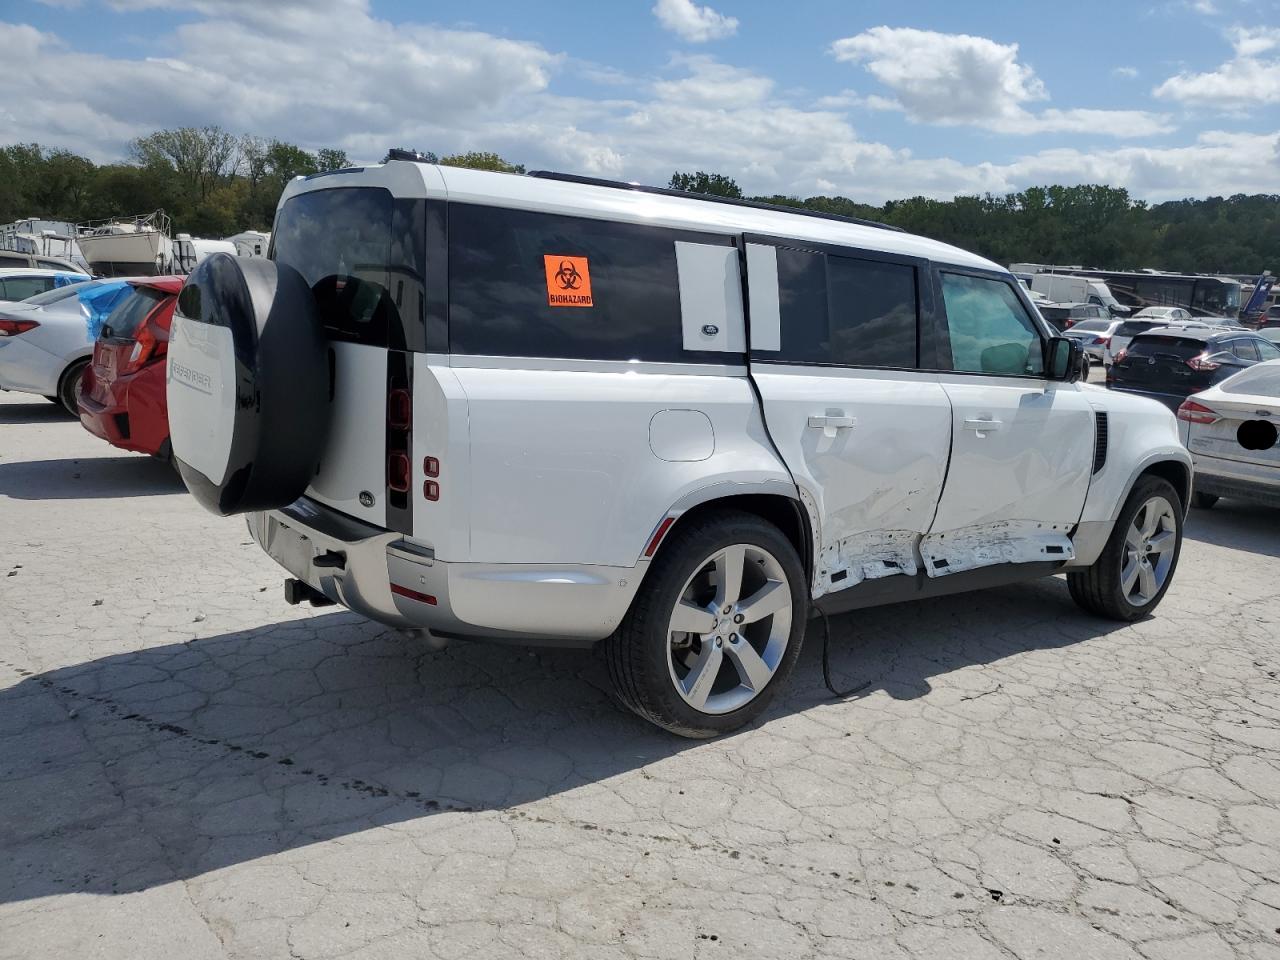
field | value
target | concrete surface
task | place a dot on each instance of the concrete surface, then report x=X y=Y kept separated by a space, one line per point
x=189 y=768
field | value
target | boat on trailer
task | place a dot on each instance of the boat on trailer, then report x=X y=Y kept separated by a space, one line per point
x=128 y=246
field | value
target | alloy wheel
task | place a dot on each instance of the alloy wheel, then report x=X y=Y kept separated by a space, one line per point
x=1149 y=547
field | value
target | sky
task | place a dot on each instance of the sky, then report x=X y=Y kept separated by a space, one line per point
x=866 y=99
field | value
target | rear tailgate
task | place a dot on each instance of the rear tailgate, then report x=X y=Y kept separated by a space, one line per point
x=1159 y=363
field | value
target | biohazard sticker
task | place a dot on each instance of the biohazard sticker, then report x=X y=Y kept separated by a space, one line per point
x=568 y=281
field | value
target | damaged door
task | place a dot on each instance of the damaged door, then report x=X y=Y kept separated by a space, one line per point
x=834 y=348
x=1022 y=445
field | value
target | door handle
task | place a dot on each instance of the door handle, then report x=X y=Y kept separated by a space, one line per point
x=983 y=425
x=831 y=422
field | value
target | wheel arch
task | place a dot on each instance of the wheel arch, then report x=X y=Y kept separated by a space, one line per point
x=775 y=502
x=1176 y=472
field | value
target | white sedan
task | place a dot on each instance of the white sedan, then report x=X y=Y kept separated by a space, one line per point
x=1231 y=430
x=46 y=341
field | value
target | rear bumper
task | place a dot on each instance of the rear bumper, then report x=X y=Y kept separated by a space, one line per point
x=1230 y=478
x=382 y=575
x=135 y=418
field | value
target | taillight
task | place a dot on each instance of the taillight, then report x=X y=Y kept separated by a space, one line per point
x=1119 y=357
x=1193 y=412
x=399 y=409
x=11 y=328
x=1101 y=341
x=1203 y=364
x=398 y=472
x=144 y=346
x=431 y=490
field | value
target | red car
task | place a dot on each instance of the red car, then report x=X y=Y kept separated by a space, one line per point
x=122 y=396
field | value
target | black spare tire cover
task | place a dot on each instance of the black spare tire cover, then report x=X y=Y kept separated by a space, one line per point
x=247 y=385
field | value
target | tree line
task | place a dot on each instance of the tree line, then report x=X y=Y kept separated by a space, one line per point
x=213 y=183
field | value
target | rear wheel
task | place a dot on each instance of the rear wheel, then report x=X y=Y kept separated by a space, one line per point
x=1134 y=570
x=1203 y=501
x=57 y=400
x=69 y=386
x=716 y=628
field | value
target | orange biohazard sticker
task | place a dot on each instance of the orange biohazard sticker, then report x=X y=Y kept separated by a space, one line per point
x=568 y=281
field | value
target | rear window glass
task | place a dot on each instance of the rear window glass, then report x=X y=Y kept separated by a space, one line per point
x=527 y=284
x=1133 y=327
x=60 y=293
x=1262 y=381
x=1055 y=313
x=126 y=318
x=362 y=257
x=1088 y=325
x=1183 y=349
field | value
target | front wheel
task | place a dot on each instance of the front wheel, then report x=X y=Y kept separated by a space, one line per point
x=1134 y=570
x=716 y=628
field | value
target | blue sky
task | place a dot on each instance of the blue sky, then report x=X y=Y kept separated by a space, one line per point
x=872 y=100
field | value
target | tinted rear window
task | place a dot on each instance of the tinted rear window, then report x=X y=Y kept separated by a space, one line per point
x=1182 y=348
x=126 y=318
x=527 y=284
x=361 y=252
x=1131 y=328
x=1090 y=325
x=1055 y=313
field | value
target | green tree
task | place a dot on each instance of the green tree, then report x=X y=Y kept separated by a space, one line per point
x=481 y=161
x=714 y=184
x=329 y=159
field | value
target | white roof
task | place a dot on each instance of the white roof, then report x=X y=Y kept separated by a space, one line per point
x=459 y=185
x=38 y=272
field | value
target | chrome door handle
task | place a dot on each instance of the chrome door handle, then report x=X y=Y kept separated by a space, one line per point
x=832 y=422
x=983 y=425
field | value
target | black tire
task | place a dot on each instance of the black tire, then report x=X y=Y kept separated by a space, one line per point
x=1098 y=588
x=69 y=387
x=637 y=653
x=57 y=400
x=250 y=329
x=1203 y=501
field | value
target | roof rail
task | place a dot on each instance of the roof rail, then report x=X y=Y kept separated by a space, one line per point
x=669 y=192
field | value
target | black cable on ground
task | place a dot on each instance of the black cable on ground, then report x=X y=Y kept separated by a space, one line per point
x=826 y=663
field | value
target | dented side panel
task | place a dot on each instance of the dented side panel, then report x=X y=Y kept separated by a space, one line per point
x=988 y=544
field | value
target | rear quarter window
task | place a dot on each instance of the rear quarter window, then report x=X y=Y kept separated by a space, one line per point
x=129 y=315
x=528 y=284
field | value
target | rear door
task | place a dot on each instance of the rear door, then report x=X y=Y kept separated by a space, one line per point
x=835 y=347
x=1021 y=444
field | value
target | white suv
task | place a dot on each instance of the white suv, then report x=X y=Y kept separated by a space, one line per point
x=543 y=409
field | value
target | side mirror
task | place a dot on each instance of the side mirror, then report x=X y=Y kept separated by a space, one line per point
x=1063 y=356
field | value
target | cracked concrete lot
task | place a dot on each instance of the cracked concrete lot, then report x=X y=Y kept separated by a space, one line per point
x=190 y=768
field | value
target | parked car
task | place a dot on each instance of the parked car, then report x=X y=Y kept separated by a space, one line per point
x=1163 y=313
x=1171 y=363
x=16 y=259
x=1131 y=328
x=1094 y=336
x=122 y=396
x=1064 y=316
x=22 y=283
x=46 y=340
x=1231 y=431
x=570 y=437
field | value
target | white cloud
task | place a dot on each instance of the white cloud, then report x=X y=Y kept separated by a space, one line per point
x=1246 y=80
x=1125 y=73
x=424 y=86
x=693 y=23
x=954 y=79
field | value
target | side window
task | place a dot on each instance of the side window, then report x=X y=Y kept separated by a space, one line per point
x=989 y=329
x=12 y=261
x=525 y=284
x=1244 y=349
x=846 y=311
x=1267 y=350
x=19 y=288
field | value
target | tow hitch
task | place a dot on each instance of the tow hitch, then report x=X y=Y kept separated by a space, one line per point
x=297 y=591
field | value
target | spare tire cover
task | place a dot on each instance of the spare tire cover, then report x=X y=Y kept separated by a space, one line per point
x=247 y=384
